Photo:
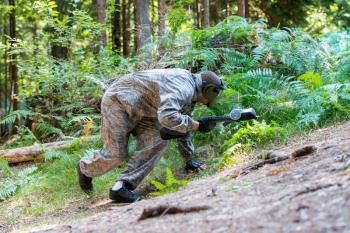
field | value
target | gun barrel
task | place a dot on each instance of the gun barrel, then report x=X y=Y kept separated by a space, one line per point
x=235 y=115
x=218 y=119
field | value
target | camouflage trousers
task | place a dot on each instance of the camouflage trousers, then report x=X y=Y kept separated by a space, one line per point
x=117 y=125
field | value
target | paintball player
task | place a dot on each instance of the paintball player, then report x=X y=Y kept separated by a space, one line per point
x=153 y=105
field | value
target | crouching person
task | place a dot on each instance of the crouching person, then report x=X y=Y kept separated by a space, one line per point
x=153 y=105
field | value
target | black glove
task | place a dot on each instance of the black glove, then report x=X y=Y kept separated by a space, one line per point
x=192 y=165
x=205 y=125
x=167 y=134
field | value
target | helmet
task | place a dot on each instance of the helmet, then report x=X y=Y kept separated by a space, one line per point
x=211 y=87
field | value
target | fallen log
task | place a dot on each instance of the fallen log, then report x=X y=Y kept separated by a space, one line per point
x=162 y=210
x=36 y=151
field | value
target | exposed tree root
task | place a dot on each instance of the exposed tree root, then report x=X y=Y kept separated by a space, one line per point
x=274 y=157
x=162 y=210
x=315 y=189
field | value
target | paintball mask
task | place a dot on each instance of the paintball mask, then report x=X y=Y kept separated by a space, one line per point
x=211 y=87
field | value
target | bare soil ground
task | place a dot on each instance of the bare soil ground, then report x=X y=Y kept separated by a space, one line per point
x=310 y=194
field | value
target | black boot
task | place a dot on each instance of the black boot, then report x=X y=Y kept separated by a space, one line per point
x=85 y=182
x=123 y=195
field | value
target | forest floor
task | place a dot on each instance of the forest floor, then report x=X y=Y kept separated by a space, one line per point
x=308 y=194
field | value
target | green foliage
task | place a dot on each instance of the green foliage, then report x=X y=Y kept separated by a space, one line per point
x=52 y=155
x=171 y=184
x=294 y=81
x=312 y=81
x=259 y=133
x=5 y=170
x=20 y=115
x=232 y=31
x=177 y=17
x=11 y=185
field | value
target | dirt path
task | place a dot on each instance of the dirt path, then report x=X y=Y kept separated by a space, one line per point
x=311 y=194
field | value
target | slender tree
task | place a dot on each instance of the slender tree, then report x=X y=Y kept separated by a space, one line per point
x=227 y=7
x=2 y=90
x=161 y=17
x=153 y=18
x=59 y=50
x=242 y=8
x=143 y=23
x=136 y=32
x=206 y=21
x=128 y=25
x=125 y=28
x=13 y=57
x=6 y=99
x=116 y=26
x=196 y=13
x=101 y=14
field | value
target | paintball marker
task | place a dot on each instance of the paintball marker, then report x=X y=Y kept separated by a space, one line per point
x=234 y=116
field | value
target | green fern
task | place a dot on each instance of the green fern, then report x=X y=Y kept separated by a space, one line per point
x=18 y=114
x=52 y=155
x=171 y=184
x=5 y=170
x=11 y=186
x=45 y=130
x=80 y=119
x=8 y=189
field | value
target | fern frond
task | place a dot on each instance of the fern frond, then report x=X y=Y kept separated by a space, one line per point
x=7 y=189
x=52 y=155
x=27 y=171
x=158 y=185
x=68 y=107
x=10 y=187
x=46 y=129
x=18 y=114
x=5 y=170
x=80 y=119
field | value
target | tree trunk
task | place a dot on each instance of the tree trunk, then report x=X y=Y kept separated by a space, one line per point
x=206 y=6
x=6 y=86
x=101 y=14
x=136 y=32
x=143 y=24
x=227 y=8
x=242 y=10
x=13 y=62
x=2 y=91
x=59 y=50
x=125 y=29
x=116 y=25
x=196 y=14
x=161 y=17
x=153 y=18
x=220 y=9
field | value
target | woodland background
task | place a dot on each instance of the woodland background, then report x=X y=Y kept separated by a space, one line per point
x=287 y=59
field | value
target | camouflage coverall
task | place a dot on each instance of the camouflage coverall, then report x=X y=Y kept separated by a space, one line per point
x=140 y=104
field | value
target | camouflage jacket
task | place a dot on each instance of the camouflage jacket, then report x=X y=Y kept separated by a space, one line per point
x=168 y=95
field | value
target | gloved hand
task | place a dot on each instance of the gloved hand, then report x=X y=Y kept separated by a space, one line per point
x=192 y=165
x=205 y=125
